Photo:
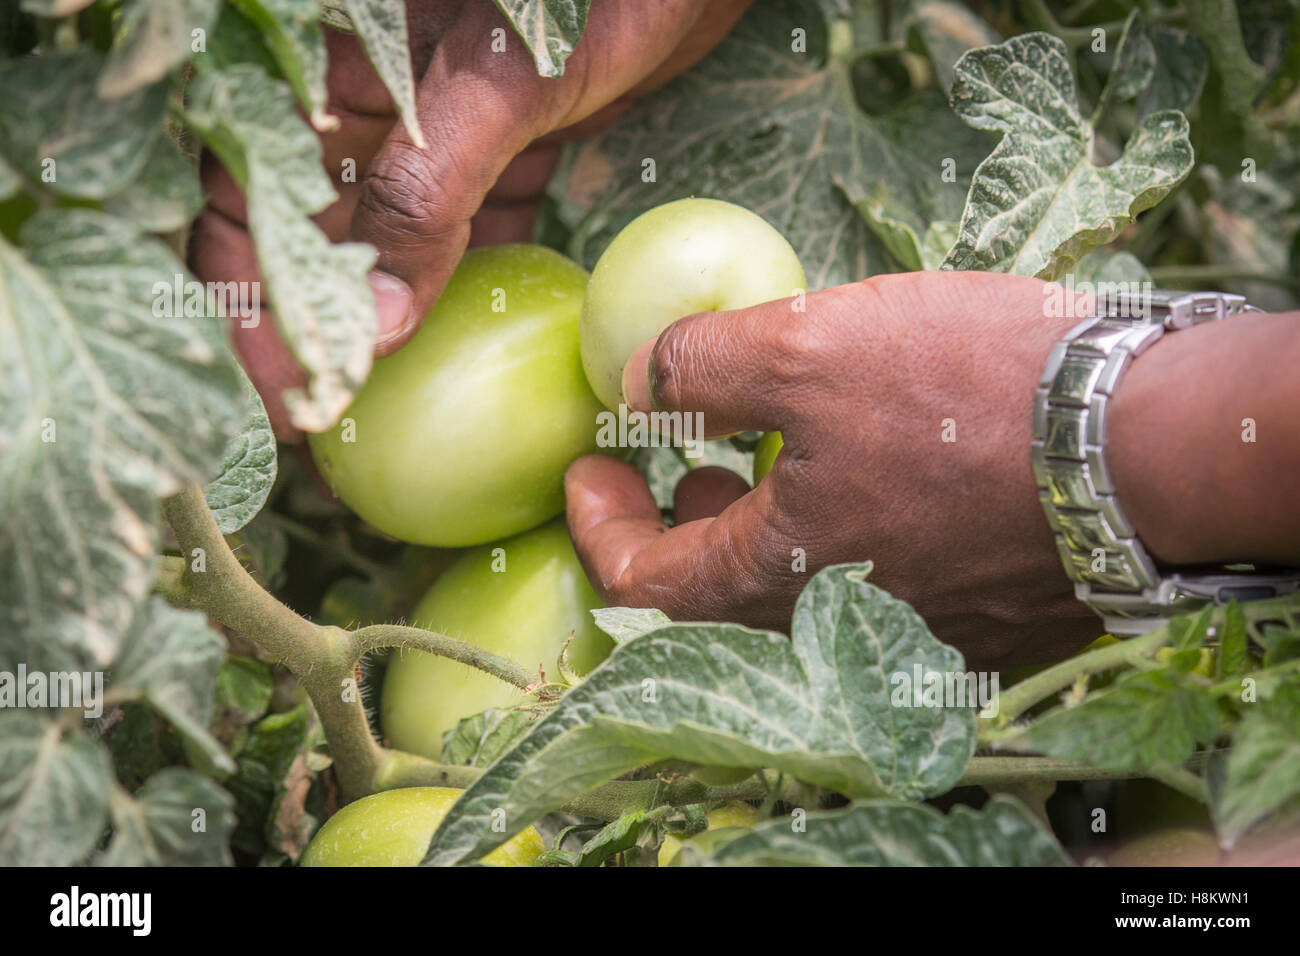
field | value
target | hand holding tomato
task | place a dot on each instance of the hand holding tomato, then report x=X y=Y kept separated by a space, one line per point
x=905 y=404
x=493 y=129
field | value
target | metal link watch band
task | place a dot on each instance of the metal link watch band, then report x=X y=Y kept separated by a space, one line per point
x=1112 y=572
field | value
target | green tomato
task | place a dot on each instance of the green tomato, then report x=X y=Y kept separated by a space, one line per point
x=463 y=436
x=725 y=823
x=688 y=256
x=525 y=612
x=765 y=453
x=394 y=827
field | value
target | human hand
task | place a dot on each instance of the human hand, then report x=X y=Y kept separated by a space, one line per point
x=493 y=129
x=865 y=387
x=905 y=403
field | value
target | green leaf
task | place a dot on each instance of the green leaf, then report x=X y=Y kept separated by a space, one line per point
x=615 y=837
x=235 y=40
x=110 y=403
x=754 y=123
x=53 y=792
x=166 y=196
x=908 y=173
x=1133 y=68
x=1180 y=77
x=380 y=25
x=549 y=28
x=1233 y=646
x=883 y=833
x=1038 y=204
x=819 y=707
x=1144 y=719
x=248 y=470
x=171 y=659
x=154 y=37
x=625 y=623
x=272 y=788
x=162 y=826
x=244 y=688
x=54 y=124
x=291 y=28
x=1263 y=766
x=323 y=306
x=480 y=740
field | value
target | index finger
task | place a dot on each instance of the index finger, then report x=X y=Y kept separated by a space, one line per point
x=734 y=567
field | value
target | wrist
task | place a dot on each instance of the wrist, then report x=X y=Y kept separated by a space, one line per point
x=1202 y=440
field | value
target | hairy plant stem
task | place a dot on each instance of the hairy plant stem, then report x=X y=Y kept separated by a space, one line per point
x=1132 y=652
x=376 y=636
x=323 y=659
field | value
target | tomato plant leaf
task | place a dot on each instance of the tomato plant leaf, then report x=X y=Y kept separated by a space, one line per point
x=154 y=37
x=1133 y=67
x=625 y=623
x=885 y=833
x=709 y=693
x=243 y=689
x=754 y=123
x=615 y=837
x=1234 y=655
x=1038 y=203
x=478 y=741
x=248 y=470
x=908 y=173
x=171 y=659
x=1183 y=65
x=165 y=197
x=53 y=791
x=59 y=132
x=291 y=28
x=1262 y=776
x=1144 y=719
x=323 y=306
x=381 y=27
x=113 y=402
x=160 y=824
x=549 y=28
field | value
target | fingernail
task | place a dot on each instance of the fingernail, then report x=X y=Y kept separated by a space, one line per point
x=392 y=305
x=636 y=378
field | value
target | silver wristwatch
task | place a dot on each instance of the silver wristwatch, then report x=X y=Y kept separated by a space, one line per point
x=1112 y=572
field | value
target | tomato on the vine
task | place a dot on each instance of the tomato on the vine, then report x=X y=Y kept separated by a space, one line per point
x=463 y=435
x=521 y=598
x=394 y=827
x=692 y=255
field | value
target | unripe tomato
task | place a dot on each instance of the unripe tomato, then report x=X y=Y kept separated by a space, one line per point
x=463 y=436
x=729 y=817
x=394 y=827
x=688 y=256
x=525 y=611
x=765 y=452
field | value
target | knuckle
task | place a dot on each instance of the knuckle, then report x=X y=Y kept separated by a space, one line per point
x=403 y=199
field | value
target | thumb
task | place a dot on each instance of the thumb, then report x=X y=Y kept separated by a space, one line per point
x=476 y=110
